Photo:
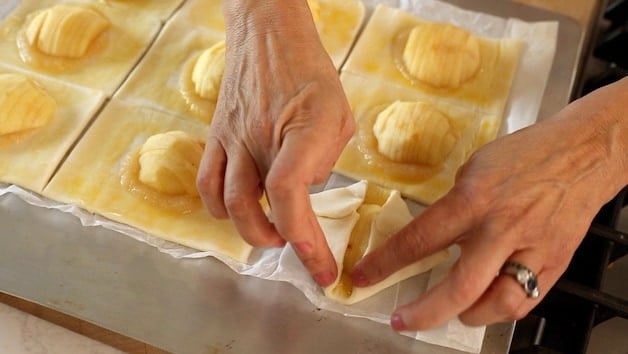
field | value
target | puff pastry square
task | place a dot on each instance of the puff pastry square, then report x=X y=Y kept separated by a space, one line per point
x=109 y=58
x=92 y=178
x=30 y=161
x=162 y=79
x=338 y=26
x=379 y=53
x=369 y=96
x=161 y=9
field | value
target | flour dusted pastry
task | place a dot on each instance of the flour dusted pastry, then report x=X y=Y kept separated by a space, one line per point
x=24 y=105
x=65 y=30
x=441 y=55
x=375 y=214
x=414 y=132
x=208 y=70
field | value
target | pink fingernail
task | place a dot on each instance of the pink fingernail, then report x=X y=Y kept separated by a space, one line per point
x=396 y=322
x=358 y=278
x=324 y=278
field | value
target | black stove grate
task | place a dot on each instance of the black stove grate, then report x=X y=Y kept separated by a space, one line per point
x=563 y=321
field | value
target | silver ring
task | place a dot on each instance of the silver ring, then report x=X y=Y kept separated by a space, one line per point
x=524 y=276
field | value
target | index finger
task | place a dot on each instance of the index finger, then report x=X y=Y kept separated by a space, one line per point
x=296 y=166
x=465 y=283
x=439 y=226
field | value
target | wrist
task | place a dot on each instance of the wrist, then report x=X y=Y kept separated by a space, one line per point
x=613 y=122
x=601 y=120
x=277 y=34
x=252 y=18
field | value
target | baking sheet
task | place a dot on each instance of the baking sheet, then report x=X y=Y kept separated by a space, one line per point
x=521 y=111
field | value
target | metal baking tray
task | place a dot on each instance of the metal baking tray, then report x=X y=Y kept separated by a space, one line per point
x=200 y=305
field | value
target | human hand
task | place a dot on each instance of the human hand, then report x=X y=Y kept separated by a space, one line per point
x=528 y=197
x=280 y=123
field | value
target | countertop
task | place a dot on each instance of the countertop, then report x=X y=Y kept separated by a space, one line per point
x=49 y=289
x=24 y=333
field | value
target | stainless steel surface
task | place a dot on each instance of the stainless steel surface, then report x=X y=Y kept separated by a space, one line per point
x=200 y=306
x=184 y=306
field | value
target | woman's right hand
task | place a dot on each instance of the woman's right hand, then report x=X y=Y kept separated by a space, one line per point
x=280 y=123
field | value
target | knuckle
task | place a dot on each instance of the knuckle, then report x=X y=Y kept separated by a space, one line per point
x=470 y=192
x=470 y=186
x=348 y=127
x=480 y=319
x=470 y=201
x=520 y=313
x=470 y=320
x=516 y=314
x=320 y=178
x=464 y=171
x=202 y=184
x=208 y=187
x=211 y=195
x=464 y=285
x=466 y=320
x=257 y=241
x=508 y=303
x=278 y=183
x=560 y=259
x=236 y=203
x=312 y=263
x=460 y=296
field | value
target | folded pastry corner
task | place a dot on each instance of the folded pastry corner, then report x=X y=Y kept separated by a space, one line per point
x=376 y=213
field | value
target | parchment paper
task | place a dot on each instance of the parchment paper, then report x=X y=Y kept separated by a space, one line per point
x=282 y=264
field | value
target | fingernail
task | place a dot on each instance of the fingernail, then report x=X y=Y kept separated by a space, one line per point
x=303 y=247
x=358 y=278
x=396 y=322
x=324 y=279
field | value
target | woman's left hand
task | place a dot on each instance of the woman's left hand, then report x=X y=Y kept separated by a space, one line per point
x=528 y=198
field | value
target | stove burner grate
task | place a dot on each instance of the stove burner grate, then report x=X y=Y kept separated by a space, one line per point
x=564 y=320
